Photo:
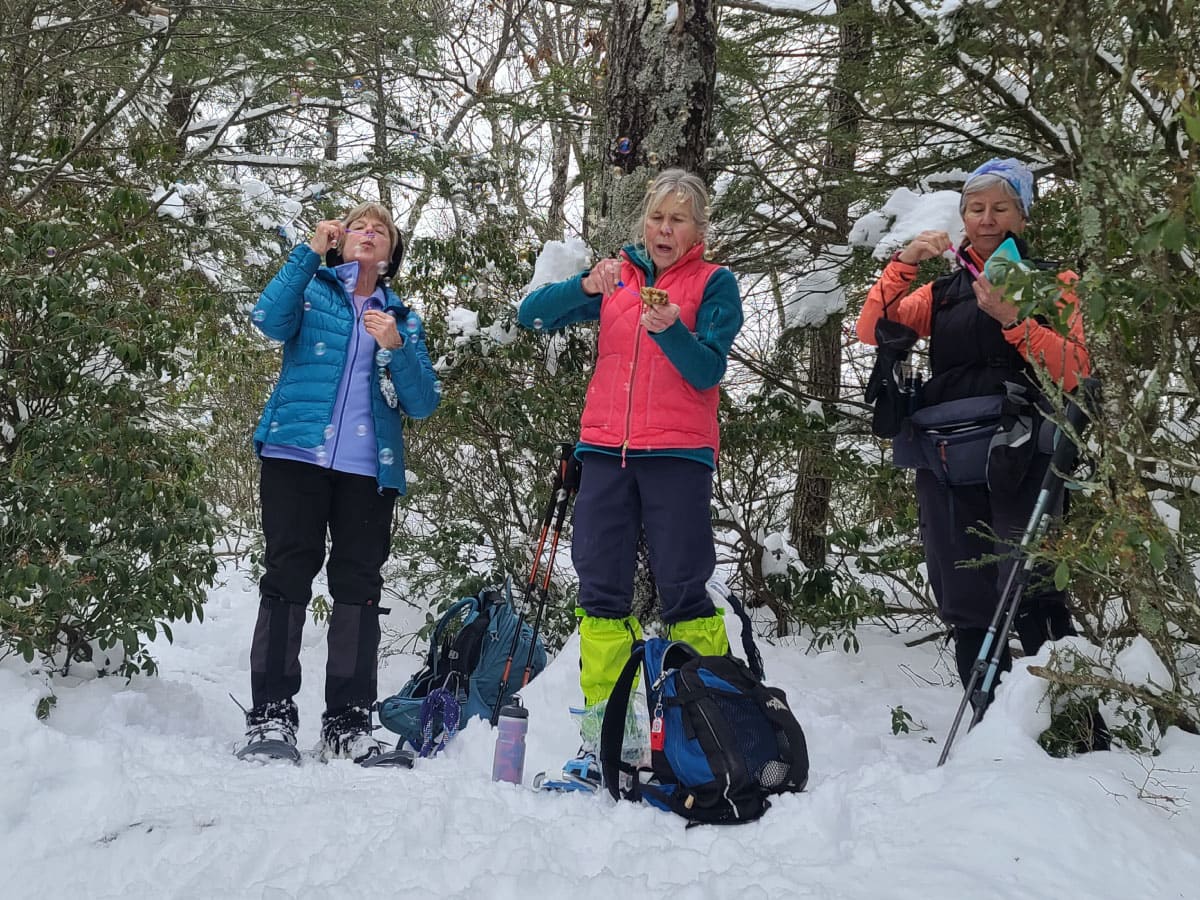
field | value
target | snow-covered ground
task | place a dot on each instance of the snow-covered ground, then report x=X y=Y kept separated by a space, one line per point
x=130 y=790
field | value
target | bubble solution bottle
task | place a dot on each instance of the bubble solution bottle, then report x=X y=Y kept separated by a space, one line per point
x=508 y=763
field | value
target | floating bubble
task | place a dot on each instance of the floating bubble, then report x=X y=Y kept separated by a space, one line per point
x=310 y=63
x=51 y=252
x=295 y=97
x=357 y=83
x=361 y=430
x=274 y=427
x=386 y=456
x=381 y=267
x=307 y=306
x=322 y=454
x=624 y=145
x=383 y=357
x=618 y=171
x=329 y=431
x=537 y=324
x=437 y=388
x=709 y=153
x=652 y=158
x=412 y=323
x=319 y=349
x=464 y=279
x=258 y=315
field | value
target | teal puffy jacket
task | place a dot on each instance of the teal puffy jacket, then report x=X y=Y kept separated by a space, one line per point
x=306 y=307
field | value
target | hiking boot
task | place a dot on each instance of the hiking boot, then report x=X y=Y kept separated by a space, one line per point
x=271 y=731
x=347 y=735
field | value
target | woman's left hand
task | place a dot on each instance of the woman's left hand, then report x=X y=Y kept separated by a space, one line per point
x=382 y=327
x=991 y=301
x=659 y=318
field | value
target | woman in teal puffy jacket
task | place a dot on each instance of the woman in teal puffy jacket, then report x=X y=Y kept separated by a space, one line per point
x=354 y=363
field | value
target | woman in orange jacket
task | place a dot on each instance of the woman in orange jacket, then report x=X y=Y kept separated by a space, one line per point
x=978 y=341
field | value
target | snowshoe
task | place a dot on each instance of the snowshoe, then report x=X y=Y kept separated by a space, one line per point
x=579 y=774
x=390 y=758
x=271 y=733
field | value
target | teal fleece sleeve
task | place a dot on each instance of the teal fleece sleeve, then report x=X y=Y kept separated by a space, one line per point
x=701 y=357
x=558 y=305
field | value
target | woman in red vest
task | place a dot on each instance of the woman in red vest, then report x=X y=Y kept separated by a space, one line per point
x=649 y=435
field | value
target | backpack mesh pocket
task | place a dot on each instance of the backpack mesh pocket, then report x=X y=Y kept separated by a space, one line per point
x=757 y=742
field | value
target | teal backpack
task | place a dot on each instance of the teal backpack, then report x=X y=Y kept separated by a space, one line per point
x=469 y=663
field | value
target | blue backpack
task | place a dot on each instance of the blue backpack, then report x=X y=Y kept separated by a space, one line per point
x=469 y=663
x=721 y=742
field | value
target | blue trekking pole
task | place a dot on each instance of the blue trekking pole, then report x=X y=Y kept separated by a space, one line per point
x=985 y=669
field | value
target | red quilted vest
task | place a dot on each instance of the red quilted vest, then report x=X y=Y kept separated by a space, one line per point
x=637 y=399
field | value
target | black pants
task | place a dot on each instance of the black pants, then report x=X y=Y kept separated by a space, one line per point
x=968 y=593
x=667 y=496
x=301 y=504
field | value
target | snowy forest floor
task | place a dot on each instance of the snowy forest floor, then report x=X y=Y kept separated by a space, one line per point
x=129 y=789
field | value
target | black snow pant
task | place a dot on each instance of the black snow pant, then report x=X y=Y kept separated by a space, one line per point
x=301 y=504
x=670 y=498
x=968 y=592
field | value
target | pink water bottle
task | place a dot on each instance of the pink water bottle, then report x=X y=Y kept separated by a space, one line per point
x=508 y=763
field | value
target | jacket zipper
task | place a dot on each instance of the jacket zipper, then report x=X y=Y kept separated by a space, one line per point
x=637 y=352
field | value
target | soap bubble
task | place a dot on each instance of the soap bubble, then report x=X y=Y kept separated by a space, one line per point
x=274 y=427
x=437 y=388
x=310 y=63
x=307 y=306
x=329 y=430
x=381 y=267
x=383 y=357
x=357 y=83
x=51 y=252
x=258 y=315
x=361 y=430
x=537 y=324
x=412 y=323
x=386 y=457
x=624 y=145
x=652 y=158
x=319 y=349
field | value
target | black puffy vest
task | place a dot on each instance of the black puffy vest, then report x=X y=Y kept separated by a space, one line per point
x=968 y=355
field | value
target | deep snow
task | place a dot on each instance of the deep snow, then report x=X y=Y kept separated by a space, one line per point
x=129 y=789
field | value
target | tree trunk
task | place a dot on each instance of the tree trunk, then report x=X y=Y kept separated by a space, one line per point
x=814 y=481
x=658 y=109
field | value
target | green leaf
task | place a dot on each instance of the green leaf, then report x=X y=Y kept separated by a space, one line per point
x=1158 y=556
x=1062 y=576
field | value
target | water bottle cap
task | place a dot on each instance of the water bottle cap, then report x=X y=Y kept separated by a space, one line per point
x=514 y=712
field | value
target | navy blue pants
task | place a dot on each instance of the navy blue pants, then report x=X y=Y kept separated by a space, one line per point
x=667 y=496
x=301 y=505
x=967 y=594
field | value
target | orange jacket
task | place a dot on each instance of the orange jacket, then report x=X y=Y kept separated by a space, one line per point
x=1066 y=359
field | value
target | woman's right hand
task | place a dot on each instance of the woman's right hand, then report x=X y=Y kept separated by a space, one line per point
x=327 y=234
x=603 y=278
x=925 y=245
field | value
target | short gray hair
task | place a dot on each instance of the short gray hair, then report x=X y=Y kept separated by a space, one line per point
x=986 y=182
x=674 y=181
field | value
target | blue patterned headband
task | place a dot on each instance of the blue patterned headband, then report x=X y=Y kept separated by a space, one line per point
x=1016 y=173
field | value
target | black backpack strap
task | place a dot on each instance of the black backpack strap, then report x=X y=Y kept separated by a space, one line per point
x=612 y=730
x=749 y=647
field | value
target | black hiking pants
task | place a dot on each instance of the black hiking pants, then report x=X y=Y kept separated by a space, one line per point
x=670 y=498
x=302 y=504
x=956 y=524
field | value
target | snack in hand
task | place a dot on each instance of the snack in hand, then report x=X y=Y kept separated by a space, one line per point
x=654 y=297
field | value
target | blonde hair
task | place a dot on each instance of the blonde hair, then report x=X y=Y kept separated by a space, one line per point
x=674 y=181
x=379 y=211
